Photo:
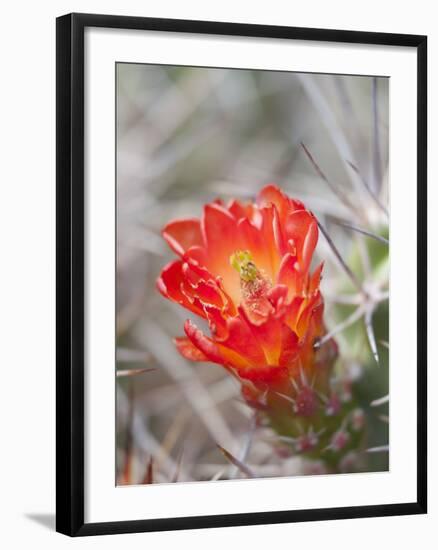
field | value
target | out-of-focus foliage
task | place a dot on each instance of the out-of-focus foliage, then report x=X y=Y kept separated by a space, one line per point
x=186 y=136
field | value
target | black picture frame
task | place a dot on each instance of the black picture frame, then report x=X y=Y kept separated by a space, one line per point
x=70 y=272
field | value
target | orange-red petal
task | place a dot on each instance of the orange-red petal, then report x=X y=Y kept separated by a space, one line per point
x=204 y=344
x=289 y=347
x=272 y=194
x=268 y=336
x=263 y=336
x=171 y=285
x=315 y=279
x=241 y=339
x=188 y=350
x=239 y=210
x=301 y=226
x=182 y=234
x=222 y=239
x=290 y=276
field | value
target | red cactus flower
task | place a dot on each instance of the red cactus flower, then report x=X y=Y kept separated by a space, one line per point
x=245 y=269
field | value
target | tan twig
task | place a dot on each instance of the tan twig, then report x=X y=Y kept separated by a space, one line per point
x=236 y=462
x=120 y=373
x=149 y=474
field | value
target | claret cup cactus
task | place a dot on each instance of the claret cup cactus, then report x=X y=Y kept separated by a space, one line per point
x=246 y=270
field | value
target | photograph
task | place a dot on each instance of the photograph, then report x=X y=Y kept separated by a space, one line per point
x=252 y=274
x=217 y=275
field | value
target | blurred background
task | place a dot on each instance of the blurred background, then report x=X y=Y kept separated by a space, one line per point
x=186 y=136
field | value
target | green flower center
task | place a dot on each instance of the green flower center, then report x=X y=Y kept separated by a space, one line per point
x=242 y=262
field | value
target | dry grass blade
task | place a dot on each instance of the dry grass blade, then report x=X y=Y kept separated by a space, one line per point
x=149 y=474
x=361 y=231
x=247 y=443
x=370 y=333
x=126 y=355
x=175 y=430
x=126 y=477
x=345 y=267
x=120 y=373
x=144 y=440
x=195 y=393
x=175 y=478
x=217 y=475
x=131 y=311
x=236 y=462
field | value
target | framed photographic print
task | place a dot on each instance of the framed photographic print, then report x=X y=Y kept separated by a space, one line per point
x=241 y=274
